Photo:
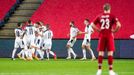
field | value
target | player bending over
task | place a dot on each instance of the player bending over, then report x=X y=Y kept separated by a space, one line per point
x=74 y=31
x=47 y=42
x=86 y=41
x=106 y=38
x=18 y=41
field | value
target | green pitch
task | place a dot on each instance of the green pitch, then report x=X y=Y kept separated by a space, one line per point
x=62 y=67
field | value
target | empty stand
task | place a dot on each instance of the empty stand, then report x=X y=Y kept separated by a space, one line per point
x=58 y=13
x=22 y=14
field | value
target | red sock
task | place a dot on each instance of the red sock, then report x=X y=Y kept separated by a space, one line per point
x=100 y=59
x=110 y=62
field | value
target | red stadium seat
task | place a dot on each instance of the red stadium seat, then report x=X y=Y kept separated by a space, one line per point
x=58 y=13
x=5 y=6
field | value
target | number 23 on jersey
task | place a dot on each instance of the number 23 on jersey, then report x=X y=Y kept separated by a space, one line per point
x=105 y=23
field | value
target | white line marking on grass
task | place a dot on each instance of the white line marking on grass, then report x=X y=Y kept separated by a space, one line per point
x=66 y=73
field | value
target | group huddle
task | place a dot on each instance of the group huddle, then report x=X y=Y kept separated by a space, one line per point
x=35 y=40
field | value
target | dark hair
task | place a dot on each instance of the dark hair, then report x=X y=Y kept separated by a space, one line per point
x=72 y=22
x=29 y=21
x=47 y=26
x=38 y=23
x=87 y=19
x=19 y=24
x=106 y=7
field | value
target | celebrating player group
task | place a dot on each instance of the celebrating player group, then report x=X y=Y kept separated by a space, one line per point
x=36 y=39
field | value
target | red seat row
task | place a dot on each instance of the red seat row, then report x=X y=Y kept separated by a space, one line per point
x=58 y=13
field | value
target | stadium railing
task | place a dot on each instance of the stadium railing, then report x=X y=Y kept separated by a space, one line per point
x=9 y=6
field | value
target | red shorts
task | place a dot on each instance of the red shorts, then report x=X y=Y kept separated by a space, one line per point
x=106 y=43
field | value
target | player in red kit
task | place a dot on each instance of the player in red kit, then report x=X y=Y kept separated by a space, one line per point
x=106 y=21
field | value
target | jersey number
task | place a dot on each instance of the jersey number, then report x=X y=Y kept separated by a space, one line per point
x=49 y=35
x=17 y=33
x=105 y=23
x=30 y=31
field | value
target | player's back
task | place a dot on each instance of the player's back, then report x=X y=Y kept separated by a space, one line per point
x=106 y=22
x=73 y=32
x=18 y=33
x=30 y=30
x=47 y=35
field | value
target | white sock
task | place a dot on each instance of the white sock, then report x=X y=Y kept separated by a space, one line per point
x=84 y=53
x=72 y=51
x=40 y=53
x=30 y=53
x=92 y=54
x=21 y=53
x=26 y=53
x=69 y=53
x=33 y=50
x=52 y=53
x=47 y=52
x=13 y=53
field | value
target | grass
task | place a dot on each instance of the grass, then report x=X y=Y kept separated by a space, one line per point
x=62 y=67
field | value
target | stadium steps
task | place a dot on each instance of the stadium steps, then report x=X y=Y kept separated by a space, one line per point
x=22 y=14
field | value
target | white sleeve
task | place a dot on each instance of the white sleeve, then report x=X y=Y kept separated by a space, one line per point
x=52 y=33
x=77 y=30
x=91 y=28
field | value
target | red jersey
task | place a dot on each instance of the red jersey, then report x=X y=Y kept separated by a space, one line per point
x=106 y=22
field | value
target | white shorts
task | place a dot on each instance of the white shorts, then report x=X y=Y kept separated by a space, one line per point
x=47 y=45
x=71 y=42
x=29 y=41
x=86 y=42
x=18 y=43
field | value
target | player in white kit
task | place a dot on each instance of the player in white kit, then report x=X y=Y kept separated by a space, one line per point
x=87 y=38
x=73 y=36
x=29 y=40
x=132 y=36
x=47 y=42
x=38 y=41
x=18 y=41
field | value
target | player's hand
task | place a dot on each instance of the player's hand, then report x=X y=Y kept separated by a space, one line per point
x=86 y=32
x=113 y=31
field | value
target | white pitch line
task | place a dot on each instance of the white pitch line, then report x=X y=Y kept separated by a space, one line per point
x=66 y=73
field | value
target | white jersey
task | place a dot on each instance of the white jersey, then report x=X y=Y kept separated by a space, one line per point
x=73 y=32
x=47 y=35
x=89 y=31
x=47 y=39
x=29 y=36
x=18 y=33
x=18 y=41
x=87 y=36
x=30 y=31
